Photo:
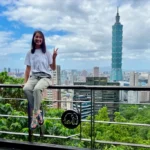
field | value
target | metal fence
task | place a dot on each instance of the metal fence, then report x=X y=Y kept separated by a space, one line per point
x=92 y=120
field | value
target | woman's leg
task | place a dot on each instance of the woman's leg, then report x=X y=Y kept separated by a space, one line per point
x=37 y=91
x=37 y=94
x=28 y=91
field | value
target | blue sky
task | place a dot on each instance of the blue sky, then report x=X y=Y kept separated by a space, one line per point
x=82 y=30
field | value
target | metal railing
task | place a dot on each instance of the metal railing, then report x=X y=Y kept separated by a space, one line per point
x=92 y=121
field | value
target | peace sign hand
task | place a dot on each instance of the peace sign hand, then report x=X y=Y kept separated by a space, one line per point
x=55 y=53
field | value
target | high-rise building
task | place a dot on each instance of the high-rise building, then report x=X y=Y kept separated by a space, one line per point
x=134 y=77
x=96 y=72
x=117 y=30
x=63 y=77
x=55 y=94
x=9 y=70
x=84 y=73
x=5 y=69
x=139 y=96
x=99 y=96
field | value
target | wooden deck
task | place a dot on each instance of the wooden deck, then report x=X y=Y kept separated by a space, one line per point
x=17 y=145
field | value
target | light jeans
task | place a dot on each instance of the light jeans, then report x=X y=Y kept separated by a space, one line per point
x=33 y=90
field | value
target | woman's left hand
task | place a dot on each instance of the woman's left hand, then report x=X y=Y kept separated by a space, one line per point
x=55 y=53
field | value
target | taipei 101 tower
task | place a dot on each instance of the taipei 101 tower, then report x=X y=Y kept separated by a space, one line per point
x=117 y=29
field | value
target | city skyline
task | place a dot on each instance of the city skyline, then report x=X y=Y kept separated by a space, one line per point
x=82 y=30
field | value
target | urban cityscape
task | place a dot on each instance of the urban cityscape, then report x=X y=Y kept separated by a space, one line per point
x=114 y=73
x=97 y=77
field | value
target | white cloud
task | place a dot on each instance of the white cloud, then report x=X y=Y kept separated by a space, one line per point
x=90 y=24
x=10 y=44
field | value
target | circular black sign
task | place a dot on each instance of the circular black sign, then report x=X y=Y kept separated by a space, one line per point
x=71 y=119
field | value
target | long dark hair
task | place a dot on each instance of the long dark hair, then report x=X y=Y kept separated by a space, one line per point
x=43 y=45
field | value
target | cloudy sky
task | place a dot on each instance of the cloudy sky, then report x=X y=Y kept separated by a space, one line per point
x=81 y=29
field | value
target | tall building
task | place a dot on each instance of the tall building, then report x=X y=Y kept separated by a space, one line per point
x=96 y=72
x=134 y=77
x=85 y=107
x=5 y=69
x=117 y=30
x=99 y=96
x=9 y=70
x=139 y=96
x=63 y=76
x=55 y=94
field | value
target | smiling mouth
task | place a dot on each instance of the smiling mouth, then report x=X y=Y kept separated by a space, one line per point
x=38 y=41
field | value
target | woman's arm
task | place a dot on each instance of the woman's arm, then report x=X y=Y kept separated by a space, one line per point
x=27 y=73
x=53 y=65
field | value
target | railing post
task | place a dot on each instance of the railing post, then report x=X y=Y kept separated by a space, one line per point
x=92 y=120
x=80 y=122
x=29 y=123
x=94 y=112
x=42 y=126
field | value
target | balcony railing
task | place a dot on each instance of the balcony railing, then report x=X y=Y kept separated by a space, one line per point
x=92 y=140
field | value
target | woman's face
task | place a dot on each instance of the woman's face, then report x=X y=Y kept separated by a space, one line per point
x=38 y=39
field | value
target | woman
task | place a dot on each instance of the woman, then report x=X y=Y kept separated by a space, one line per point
x=38 y=63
